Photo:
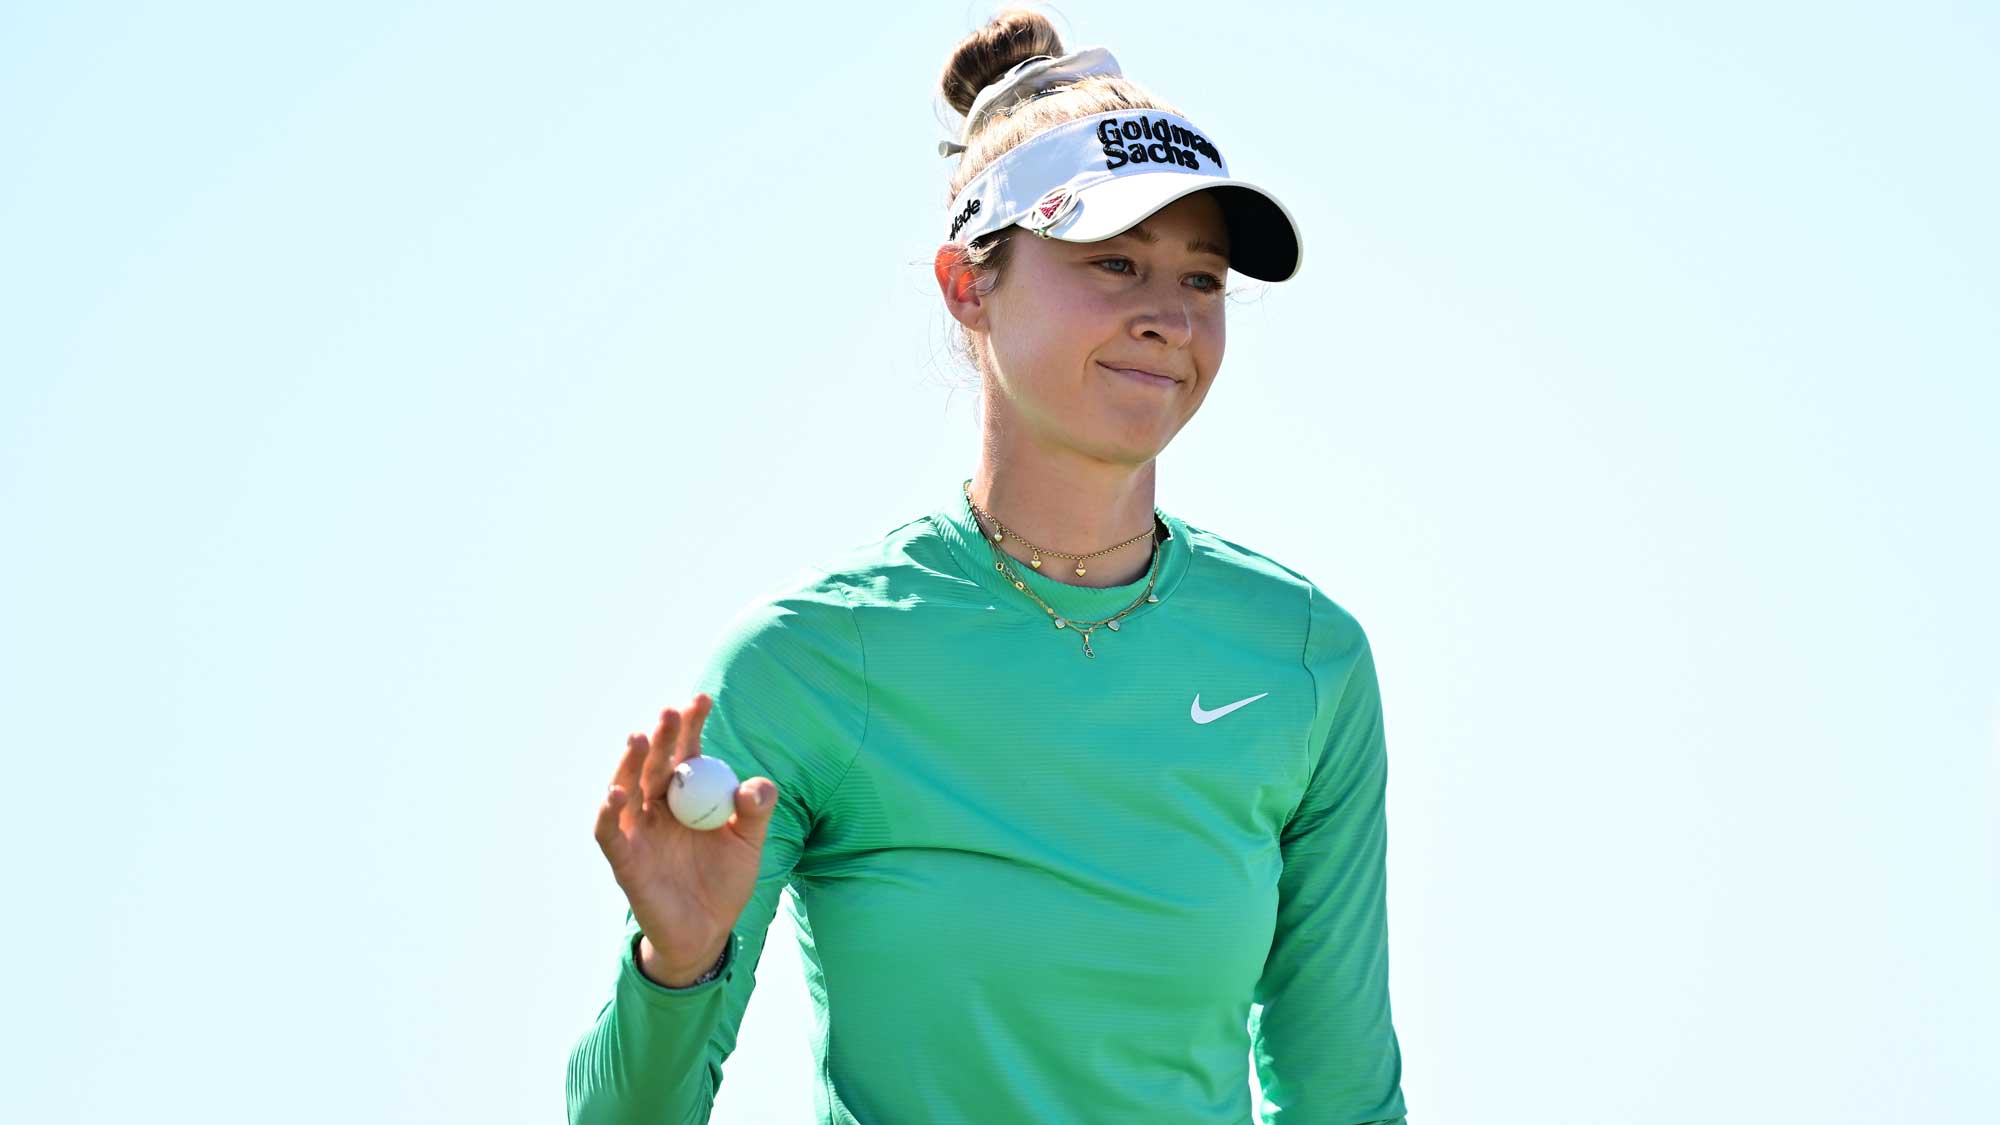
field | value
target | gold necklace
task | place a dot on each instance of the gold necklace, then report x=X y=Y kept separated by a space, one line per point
x=1037 y=552
x=1083 y=628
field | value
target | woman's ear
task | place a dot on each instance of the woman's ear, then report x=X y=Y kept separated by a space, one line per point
x=959 y=284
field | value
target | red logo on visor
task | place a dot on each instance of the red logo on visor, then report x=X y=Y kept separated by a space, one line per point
x=1050 y=208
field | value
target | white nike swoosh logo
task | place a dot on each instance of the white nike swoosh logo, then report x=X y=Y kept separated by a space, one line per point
x=1200 y=716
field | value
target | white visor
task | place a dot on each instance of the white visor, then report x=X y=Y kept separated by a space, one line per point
x=1089 y=179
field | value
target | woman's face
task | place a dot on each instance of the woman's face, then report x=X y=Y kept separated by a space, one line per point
x=1065 y=314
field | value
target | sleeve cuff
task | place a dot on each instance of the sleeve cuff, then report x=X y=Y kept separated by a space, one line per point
x=629 y=967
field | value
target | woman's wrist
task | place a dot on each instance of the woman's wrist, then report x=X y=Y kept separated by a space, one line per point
x=654 y=968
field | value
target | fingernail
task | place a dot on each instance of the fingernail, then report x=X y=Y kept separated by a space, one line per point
x=763 y=797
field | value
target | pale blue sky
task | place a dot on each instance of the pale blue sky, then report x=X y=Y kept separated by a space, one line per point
x=395 y=401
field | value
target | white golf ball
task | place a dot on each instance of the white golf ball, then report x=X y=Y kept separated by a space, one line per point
x=702 y=793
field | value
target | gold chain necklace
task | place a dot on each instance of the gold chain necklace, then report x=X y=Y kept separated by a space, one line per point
x=1083 y=628
x=1038 y=552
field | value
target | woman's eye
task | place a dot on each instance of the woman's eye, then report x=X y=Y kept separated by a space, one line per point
x=1215 y=284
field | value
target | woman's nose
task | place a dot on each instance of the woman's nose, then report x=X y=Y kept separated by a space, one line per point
x=1167 y=317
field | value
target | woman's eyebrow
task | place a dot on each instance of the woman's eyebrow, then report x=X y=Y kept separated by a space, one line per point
x=1139 y=232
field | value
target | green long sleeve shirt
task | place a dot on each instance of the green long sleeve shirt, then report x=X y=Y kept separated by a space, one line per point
x=1031 y=886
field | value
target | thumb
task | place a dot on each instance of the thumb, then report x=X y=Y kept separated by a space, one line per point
x=756 y=800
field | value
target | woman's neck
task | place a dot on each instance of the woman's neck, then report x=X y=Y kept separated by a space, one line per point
x=1076 y=507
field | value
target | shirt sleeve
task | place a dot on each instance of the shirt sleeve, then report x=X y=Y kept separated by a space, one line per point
x=1323 y=1042
x=789 y=690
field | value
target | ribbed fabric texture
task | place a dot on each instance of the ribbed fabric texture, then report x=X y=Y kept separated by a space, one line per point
x=1029 y=885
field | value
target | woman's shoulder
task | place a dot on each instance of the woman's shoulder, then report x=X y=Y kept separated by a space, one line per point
x=1253 y=576
x=822 y=592
x=910 y=560
x=1233 y=560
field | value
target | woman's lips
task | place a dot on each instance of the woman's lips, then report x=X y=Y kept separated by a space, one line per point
x=1141 y=376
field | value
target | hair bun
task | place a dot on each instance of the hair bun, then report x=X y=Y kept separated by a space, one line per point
x=1013 y=36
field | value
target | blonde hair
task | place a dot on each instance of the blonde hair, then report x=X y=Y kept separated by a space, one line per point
x=1013 y=36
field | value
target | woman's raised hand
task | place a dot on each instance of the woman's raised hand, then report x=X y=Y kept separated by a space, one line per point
x=687 y=887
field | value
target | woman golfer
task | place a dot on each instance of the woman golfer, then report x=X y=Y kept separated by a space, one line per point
x=1061 y=783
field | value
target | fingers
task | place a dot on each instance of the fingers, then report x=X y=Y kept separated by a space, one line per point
x=627 y=773
x=753 y=817
x=609 y=837
x=659 y=765
x=619 y=794
x=646 y=766
x=691 y=729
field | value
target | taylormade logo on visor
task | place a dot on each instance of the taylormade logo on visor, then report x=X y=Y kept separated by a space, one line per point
x=964 y=217
x=1169 y=143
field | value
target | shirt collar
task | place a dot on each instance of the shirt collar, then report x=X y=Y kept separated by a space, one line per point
x=974 y=552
